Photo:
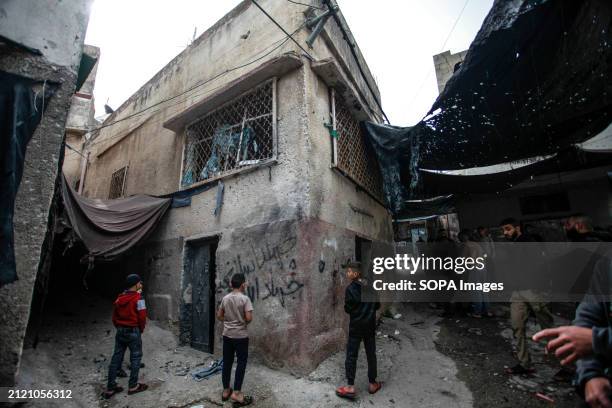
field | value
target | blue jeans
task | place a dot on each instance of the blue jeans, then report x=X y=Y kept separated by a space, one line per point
x=126 y=337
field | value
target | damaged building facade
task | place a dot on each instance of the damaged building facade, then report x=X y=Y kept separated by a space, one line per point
x=81 y=116
x=261 y=143
x=38 y=75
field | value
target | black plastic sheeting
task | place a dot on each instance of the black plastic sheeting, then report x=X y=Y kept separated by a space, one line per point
x=535 y=81
x=572 y=159
x=21 y=108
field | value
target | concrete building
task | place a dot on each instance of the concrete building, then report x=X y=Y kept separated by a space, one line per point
x=41 y=42
x=245 y=110
x=81 y=115
x=445 y=64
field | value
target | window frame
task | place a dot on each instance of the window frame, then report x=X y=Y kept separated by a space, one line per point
x=123 y=183
x=243 y=169
x=334 y=159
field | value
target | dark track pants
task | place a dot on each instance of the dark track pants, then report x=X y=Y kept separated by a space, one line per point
x=240 y=347
x=352 y=352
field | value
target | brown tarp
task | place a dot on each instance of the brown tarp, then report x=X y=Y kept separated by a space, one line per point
x=109 y=228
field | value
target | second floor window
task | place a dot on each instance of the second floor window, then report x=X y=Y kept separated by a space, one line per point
x=352 y=156
x=117 y=186
x=238 y=134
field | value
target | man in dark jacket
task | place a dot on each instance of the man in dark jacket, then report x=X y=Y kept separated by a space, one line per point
x=362 y=326
x=129 y=317
x=589 y=341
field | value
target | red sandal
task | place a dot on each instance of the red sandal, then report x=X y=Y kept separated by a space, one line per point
x=109 y=393
x=139 y=388
x=377 y=387
x=343 y=392
x=224 y=398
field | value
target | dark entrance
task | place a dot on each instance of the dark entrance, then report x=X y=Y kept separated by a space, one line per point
x=363 y=254
x=200 y=268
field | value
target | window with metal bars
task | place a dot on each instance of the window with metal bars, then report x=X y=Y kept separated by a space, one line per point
x=239 y=134
x=117 y=186
x=352 y=156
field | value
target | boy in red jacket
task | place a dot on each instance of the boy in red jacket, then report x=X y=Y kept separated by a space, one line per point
x=129 y=317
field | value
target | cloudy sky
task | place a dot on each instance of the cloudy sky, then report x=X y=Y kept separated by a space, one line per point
x=397 y=37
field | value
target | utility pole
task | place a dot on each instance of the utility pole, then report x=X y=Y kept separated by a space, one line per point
x=84 y=163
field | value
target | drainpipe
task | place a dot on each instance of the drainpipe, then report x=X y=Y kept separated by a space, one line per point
x=84 y=163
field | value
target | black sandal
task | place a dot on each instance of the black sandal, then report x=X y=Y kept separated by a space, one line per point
x=139 y=388
x=228 y=395
x=109 y=393
x=248 y=400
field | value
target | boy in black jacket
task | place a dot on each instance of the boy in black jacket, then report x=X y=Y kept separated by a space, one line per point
x=362 y=326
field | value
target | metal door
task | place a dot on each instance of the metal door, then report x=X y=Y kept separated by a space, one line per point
x=201 y=296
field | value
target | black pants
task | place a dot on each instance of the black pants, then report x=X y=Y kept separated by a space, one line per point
x=352 y=351
x=240 y=347
x=126 y=337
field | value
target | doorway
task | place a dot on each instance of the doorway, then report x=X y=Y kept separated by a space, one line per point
x=200 y=268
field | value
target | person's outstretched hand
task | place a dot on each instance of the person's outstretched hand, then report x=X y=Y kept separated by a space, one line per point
x=569 y=342
x=597 y=391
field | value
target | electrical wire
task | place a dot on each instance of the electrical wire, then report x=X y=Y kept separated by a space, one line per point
x=442 y=50
x=283 y=30
x=283 y=41
x=74 y=150
x=354 y=53
x=307 y=5
x=199 y=84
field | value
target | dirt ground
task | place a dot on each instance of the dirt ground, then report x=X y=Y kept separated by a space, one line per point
x=423 y=361
x=482 y=348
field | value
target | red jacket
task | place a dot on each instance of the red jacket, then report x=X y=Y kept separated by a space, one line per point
x=129 y=310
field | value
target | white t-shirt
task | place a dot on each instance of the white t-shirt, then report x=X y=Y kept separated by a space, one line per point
x=235 y=305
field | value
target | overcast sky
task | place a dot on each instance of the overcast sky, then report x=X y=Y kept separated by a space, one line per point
x=397 y=37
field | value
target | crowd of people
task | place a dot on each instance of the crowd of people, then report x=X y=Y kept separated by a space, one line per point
x=587 y=343
x=585 y=348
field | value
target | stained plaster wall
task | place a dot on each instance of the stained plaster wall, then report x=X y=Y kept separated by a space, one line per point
x=61 y=43
x=288 y=226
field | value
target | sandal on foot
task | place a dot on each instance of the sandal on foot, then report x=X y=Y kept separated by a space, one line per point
x=248 y=400
x=139 y=388
x=225 y=398
x=343 y=392
x=109 y=393
x=519 y=369
x=377 y=387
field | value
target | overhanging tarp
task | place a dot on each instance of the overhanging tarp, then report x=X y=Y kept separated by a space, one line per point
x=110 y=228
x=535 y=81
x=22 y=101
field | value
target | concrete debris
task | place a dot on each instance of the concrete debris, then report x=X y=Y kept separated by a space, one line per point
x=475 y=330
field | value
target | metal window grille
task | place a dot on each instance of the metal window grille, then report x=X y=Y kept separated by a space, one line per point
x=352 y=155
x=117 y=186
x=238 y=134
